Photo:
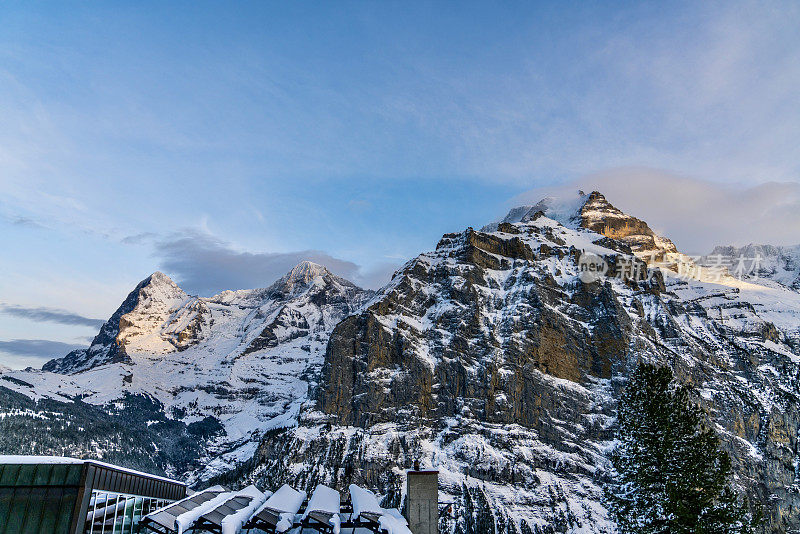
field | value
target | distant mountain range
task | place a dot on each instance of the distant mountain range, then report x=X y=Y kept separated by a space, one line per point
x=760 y=263
x=240 y=362
x=492 y=358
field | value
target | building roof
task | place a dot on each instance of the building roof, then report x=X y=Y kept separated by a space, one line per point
x=64 y=460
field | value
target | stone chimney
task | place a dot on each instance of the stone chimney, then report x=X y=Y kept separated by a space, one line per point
x=422 y=501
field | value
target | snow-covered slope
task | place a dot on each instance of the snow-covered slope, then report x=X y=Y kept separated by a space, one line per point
x=244 y=358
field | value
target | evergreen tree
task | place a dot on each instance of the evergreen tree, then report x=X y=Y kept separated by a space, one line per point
x=670 y=475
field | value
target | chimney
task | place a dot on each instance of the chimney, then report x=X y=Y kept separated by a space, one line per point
x=422 y=501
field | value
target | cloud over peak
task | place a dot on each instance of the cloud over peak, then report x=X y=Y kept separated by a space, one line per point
x=205 y=264
x=696 y=214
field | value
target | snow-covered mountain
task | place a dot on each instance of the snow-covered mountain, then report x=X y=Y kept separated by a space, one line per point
x=241 y=359
x=156 y=318
x=494 y=361
x=491 y=358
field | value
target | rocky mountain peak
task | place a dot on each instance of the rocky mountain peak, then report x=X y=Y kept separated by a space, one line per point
x=305 y=271
x=136 y=322
x=160 y=279
x=597 y=202
x=599 y=215
x=594 y=212
x=159 y=286
x=307 y=275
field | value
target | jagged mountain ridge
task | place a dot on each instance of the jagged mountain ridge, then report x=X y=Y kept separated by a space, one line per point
x=491 y=360
x=243 y=358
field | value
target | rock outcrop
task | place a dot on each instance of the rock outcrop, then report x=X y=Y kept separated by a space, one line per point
x=597 y=214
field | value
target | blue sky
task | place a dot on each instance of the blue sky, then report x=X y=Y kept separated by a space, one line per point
x=221 y=142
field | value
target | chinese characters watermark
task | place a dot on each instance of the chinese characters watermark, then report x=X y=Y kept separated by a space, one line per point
x=712 y=268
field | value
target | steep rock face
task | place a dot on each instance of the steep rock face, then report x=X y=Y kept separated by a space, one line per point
x=448 y=327
x=494 y=361
x=241 y=360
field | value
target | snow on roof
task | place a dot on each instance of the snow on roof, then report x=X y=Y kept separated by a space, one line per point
x=232 y=524
x=287 y=501
x=327 y=500
x=190 y=495
x=15 y=459
x=187 y=519
x=364 y=501
x=324 y=499
x=391 y=520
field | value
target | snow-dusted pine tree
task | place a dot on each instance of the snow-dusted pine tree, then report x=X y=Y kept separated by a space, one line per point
x=670 y=475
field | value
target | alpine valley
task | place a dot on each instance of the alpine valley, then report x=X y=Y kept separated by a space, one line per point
x=493 y=358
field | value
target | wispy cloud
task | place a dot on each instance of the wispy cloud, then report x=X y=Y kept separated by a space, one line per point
x=26 y=221
x=52 y=315
x=37 y=347
x=138 y=239
x=696 y=214
x=19 y=353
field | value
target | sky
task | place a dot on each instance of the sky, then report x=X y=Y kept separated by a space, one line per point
x=222 y=143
